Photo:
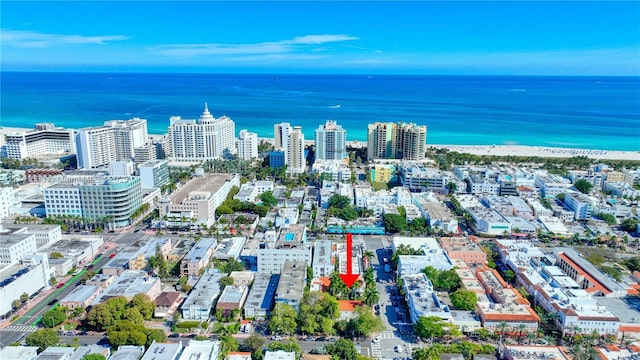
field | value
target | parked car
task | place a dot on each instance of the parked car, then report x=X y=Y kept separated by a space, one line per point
x=60 y=285
x=398 y=348
x=376 y=339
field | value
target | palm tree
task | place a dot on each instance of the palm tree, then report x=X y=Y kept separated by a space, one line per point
x=521 y=329
x=531 y=336
x=371 y=295
x=502 y=328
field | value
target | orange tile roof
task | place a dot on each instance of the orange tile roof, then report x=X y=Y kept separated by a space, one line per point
x=348 y=305
x=581 y=271
x=325 y=281
x=632 y=291
x=629 y=328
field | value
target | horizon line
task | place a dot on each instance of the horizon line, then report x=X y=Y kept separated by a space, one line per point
x=305 y=74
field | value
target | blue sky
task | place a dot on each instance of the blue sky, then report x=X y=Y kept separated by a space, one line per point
x=419 y=37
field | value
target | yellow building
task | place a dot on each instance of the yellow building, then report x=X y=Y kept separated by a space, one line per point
x=382 y=172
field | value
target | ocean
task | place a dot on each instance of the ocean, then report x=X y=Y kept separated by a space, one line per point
x=578 y=112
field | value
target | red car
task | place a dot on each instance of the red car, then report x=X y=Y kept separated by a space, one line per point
x=112 y=255
x=60 y=285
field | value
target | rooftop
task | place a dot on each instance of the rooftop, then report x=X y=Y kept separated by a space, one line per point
x=162 y=351
x=207 y=183
x=520 y=352
x=232 y=294
x=80 y=294
x=201 y=350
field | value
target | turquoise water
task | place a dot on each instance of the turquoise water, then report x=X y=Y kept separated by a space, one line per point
x=582 y=112
x=289 y=236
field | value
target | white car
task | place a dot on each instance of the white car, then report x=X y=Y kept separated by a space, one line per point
x=376 y=339
x=398 y=348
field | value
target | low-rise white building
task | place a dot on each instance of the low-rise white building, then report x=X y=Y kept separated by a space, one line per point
x=197 y=306
x=422 y=299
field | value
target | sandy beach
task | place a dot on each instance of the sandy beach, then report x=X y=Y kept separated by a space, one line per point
x=499 y=150
x=549 y=152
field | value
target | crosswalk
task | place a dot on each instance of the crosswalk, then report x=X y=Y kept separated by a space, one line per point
x=376 y=350
x=20 y=328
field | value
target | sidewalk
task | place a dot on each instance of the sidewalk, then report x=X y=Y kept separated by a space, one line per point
x=30 y=304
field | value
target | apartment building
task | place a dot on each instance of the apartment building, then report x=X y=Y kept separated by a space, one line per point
x=44 y=139
x=153 y=173
x=331 y=140
x=207 y=138
x=289 y=245
x=247 y=145
x=199 y=198
x=292 y=282
x=198 y=257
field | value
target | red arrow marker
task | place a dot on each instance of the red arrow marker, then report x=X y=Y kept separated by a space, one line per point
x=349 y=278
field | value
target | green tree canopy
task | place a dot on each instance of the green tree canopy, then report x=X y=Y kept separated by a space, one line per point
x=94 y=357
x=283 y=319
x=429 y=327
x=607 y=218
x=290 y=345
x=447 y=280
x=268 y=199
x=42 y=338
x=343 y=349
x=339 y=201
x=55 y=316
x=226 y=281
x=629 y=224
x=317 y=314
x=254 y=342
x=583 y=186
x=464 y=299
x=632 y=263
x=394 y=223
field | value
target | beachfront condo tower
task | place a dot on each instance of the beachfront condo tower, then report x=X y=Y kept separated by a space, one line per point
x=99 y=146
x=406 y=141
x=296 y=161
x=207 y=138
x=281 y=138
x=247 y=145
x=331 y=142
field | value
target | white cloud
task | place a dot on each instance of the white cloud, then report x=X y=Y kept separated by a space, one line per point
x=34 y=39
x=318 y=39
x=275 y=47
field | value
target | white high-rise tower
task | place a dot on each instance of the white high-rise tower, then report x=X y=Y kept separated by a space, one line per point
x=331 y=142
x=247 y=145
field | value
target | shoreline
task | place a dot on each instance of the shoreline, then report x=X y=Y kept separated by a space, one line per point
x=492 y=150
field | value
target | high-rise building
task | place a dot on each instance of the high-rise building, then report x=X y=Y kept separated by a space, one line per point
x=205 y=139
x=153 y=173
x=411 y=141
x=281 y=134
x=331 y=142
x=96 y=147
x=247 y=145
x=396 y=141
x=115 y=141
x=114 y=199
x=129 y=135
x=44 y=139
x=296 y=161
x=380 y=141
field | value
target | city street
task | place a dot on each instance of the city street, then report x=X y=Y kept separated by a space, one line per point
x=399 y=331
